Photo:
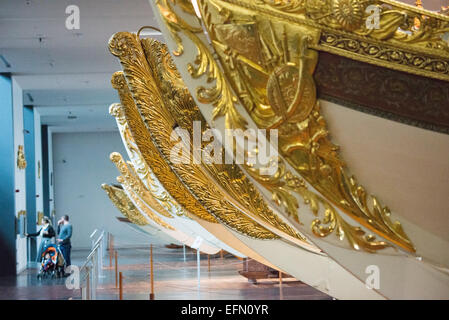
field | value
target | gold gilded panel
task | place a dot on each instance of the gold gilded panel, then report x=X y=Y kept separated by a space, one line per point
x=235 y=186
x=269 y=64
x=134 y=183
x=159 y=120
x=285 y=98
x=151 y=155
x=381 y=32
x=139 y=165
x=141 y=205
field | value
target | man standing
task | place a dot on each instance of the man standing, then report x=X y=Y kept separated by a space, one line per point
x=64 y=235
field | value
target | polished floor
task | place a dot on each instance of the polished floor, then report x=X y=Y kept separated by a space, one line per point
x=175 y=278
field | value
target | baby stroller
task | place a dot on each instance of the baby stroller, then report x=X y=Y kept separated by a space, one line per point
x=52 y=262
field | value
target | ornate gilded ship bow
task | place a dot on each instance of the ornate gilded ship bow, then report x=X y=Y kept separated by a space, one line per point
x=254 y=65
x=138 y=219
x=148 y=118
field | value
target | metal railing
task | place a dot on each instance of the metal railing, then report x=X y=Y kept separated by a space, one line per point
x=92 y=269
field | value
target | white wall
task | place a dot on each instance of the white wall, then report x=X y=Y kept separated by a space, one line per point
x=19 y=174
x=81 y=164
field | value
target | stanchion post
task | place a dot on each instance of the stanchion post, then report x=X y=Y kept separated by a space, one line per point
x=208 y=261
x=94 y=277
x=281 y=293
x=110 y=249
x=184 y=251
x=88 y=284
x=120 y=286
x=100 y=256
x=151 y=273
x=116 y=269
x=83 y=293
x=198 y=264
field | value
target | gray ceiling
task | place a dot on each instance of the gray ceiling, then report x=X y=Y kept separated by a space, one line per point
x=67 y=72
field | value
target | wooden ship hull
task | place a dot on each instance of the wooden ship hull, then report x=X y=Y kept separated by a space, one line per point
x=271 y=239
x=363 y=94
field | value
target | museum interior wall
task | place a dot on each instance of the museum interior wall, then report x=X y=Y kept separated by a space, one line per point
x=81 y=163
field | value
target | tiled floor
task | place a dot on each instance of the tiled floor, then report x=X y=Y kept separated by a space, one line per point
x=174 y=279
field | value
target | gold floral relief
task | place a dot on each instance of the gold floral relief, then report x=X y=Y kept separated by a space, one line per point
x=160 y=123
x=219 y=94
x=269 y=64
x=124 y=205
x=21 y=162
x=382 y=32
x=134 y=183
x=133 y=187
x=141 y=205
x=139 y=166
x=236 y=187
x=285 y=99
x=145 y=146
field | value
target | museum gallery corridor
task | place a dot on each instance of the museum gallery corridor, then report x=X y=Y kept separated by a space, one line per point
x=174 y=279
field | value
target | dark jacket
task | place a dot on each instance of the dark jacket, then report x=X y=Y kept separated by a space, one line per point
x=50 y=233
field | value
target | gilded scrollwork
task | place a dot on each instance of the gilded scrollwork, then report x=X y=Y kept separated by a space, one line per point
x=141 y=136
x=397 y=21
x=141 y=205
x=219 y=94
x=230 y=178
x=134 y=188
x=139 y=165
x=371 y=52
x=159 y=123
x=303 y=136
x=136 y=185
x=269 y=64
x=284 y=184
x=395 y=32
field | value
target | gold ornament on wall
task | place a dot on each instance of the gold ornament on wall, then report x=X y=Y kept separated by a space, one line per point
x=21 y=213
x=21 y=162
x=40 y=217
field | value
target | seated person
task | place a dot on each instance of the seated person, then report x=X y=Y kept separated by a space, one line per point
x=48 y=262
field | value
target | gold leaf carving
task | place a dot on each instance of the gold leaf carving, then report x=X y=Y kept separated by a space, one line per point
x=141 y=168
x=159 y=121
x=230 y=178
x=124 y=205
x=269 y=63
x=219 y=95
